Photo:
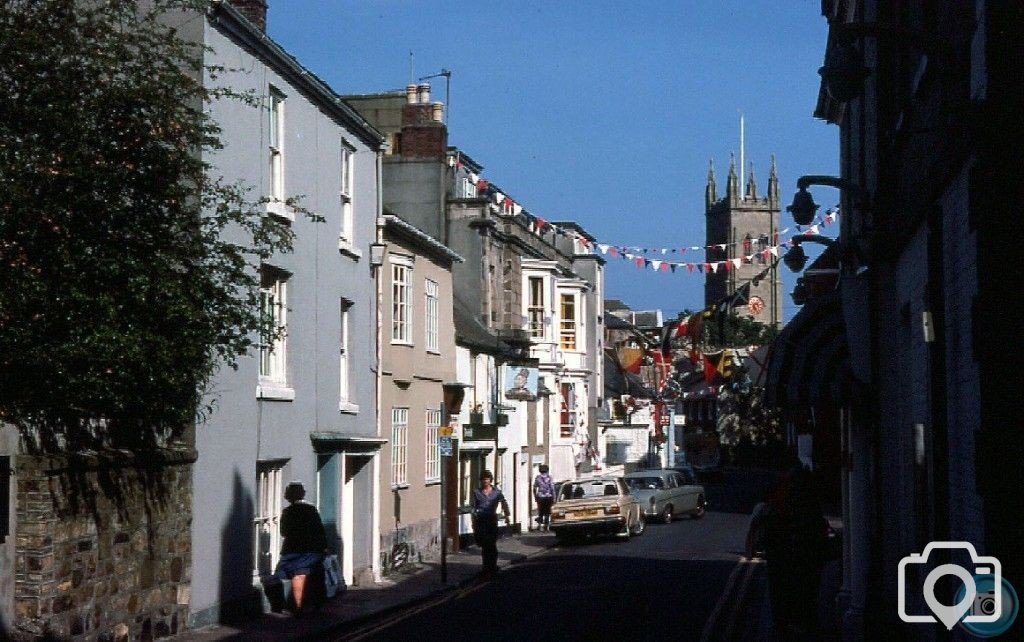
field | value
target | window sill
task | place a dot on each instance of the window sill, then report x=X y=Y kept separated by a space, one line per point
x=348 y=408
x=432 y=482
x=346 y=248
x=280 y=211
x=396 y=487
x=408 y=344
x=435 y=352
x=275 y=391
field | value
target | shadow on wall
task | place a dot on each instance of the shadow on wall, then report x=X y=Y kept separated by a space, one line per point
x=237 y=597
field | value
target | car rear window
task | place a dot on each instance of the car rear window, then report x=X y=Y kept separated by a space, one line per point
x=645 y=483
x=584 y=490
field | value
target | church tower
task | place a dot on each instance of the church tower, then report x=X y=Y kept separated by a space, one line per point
x=746 y=224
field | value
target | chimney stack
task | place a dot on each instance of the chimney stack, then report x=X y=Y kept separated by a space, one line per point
x=410 y=94
x=437 y=112
x=423 y=92
x=255 y=12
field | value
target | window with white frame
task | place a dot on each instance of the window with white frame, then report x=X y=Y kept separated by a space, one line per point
x=433 y=461
x=274 y=313
x=468 y=188
x=433 y=308
x=567 y=426
x=276 y=147
x=347 y=169
x=399 y=447
x=266 y=526
x=567 y=323
x=343 y=339
x=535 y=307
x=401 y=300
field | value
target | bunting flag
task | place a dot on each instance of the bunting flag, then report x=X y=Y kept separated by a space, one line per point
x=710 y=370
x=725 y=364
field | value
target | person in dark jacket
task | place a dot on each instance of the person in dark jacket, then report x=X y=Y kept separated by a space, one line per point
x=305 y=543
x=485 y=502
x=795 y=539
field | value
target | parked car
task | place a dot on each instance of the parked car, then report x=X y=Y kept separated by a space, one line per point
x=597 y=506
x=665 y=493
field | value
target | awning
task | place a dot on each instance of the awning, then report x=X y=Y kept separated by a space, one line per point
x=329 y=441
x=809 y=361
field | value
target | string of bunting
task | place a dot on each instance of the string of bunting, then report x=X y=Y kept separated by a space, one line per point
x=751 y=248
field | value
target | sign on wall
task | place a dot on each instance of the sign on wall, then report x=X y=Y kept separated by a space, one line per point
x=520 y=383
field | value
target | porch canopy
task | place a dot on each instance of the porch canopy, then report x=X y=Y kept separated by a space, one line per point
x=809 y=361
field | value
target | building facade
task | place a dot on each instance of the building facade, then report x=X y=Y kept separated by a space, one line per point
x=304 y=405
x=418 y=359
x=923 y=95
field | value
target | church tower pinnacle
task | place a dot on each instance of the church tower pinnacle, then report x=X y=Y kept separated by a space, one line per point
x=732 y=188
x=710 y=191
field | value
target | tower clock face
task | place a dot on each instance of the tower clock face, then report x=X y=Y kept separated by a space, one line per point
x=755 y=305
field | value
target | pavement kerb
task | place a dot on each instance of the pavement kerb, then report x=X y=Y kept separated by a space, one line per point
x=336 y=628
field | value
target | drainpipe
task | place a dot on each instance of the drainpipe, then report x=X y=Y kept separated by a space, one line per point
x=378 y=376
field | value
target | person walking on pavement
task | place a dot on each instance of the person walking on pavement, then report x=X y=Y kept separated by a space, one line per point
x=304 y=545
x=485 y=520
x=544 y=493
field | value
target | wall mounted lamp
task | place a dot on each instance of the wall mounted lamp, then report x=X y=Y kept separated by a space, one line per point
x=377 y=254
x=804 y=208
x=796 y=259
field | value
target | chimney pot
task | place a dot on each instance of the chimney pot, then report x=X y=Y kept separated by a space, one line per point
x=437 y=112
x=424 y=93
x=410 y=94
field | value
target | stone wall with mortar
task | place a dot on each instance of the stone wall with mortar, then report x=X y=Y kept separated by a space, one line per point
x=103 y=546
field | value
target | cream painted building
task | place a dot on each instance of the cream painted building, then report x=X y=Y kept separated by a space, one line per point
x=418 y=358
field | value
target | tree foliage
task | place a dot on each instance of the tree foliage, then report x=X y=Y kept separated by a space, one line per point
x=728 y=330
x=122 y=293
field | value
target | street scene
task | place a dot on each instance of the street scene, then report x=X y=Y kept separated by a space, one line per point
x=386 y=320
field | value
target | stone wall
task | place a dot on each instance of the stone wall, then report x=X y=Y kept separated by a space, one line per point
x=103 y=546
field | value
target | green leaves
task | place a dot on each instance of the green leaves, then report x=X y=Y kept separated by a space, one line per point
x=122 y=295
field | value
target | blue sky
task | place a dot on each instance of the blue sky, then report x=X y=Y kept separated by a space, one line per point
x=601 y=112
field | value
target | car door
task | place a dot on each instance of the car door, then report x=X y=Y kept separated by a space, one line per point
x=688 y=491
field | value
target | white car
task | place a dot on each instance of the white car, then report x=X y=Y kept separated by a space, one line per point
x=665 y=493
x=596 y=506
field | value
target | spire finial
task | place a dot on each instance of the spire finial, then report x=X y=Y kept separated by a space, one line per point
x=751 y=187
x=771 y=173
x=732 y=164
x=711 y=170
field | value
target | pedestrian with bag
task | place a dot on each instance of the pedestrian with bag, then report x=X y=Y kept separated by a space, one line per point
x=544 y=494
x=302 y=552
x=485 y=502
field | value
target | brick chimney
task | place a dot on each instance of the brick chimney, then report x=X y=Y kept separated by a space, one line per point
x=254 y=10
x=424 y=134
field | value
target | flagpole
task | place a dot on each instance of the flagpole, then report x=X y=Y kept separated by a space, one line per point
x=743 y=194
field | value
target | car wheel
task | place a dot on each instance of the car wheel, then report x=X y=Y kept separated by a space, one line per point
x=640 y=526
x=701 y=507
x=666 y=515
x=626 y=531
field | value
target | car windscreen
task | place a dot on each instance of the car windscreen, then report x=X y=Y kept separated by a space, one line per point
x=645 y=483
x=584 y=490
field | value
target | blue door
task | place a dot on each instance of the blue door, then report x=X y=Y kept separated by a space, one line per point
x=328 y=494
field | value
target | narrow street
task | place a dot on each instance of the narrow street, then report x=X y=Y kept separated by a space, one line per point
x=686 y=580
